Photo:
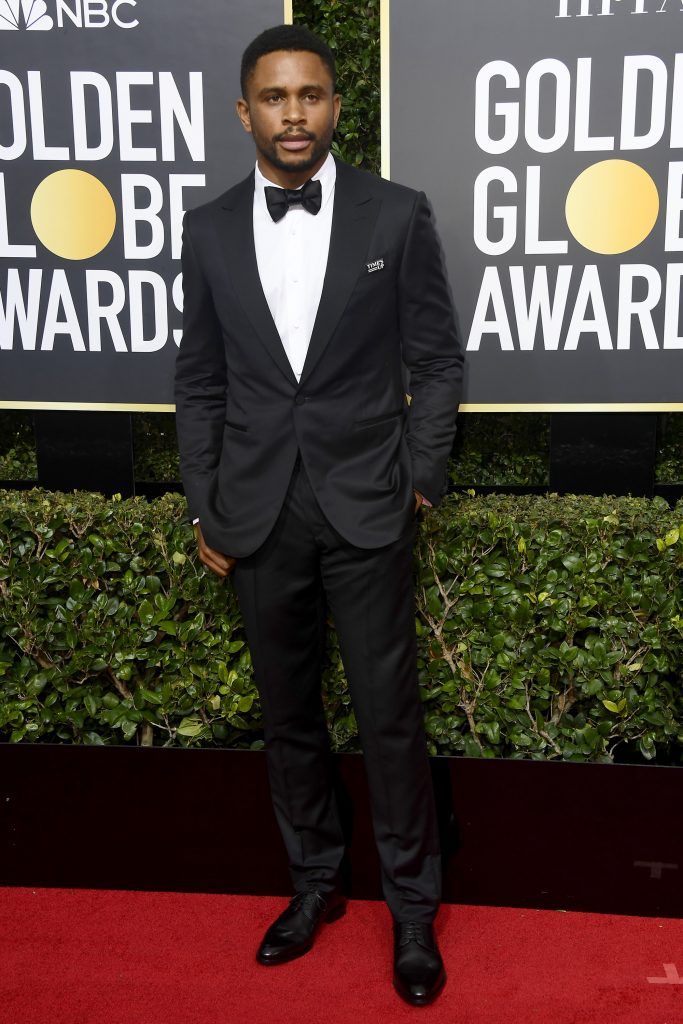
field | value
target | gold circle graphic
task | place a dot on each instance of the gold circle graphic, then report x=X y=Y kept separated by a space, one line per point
x=73 y=214
x=612 y=206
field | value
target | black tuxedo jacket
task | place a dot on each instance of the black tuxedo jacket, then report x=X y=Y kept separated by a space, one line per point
x=241 y=414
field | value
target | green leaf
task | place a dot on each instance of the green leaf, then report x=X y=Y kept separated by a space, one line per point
x=146 y=613
x=150 y=696
x=190 y=727
x=90 y=703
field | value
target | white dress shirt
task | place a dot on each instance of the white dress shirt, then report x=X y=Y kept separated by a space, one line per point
x=291 y=254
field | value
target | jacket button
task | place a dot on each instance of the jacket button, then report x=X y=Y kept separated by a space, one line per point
x=300 y=399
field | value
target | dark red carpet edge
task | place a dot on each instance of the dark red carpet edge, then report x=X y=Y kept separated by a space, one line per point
x=83 y=956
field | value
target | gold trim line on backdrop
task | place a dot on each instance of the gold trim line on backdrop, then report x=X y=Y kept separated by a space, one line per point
x=465 y=407
x=92 y=406
x=574 y=407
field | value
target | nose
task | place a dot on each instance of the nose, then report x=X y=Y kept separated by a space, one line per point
x=293 y=112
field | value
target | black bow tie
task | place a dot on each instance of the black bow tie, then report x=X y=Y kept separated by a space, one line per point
x=279 y=200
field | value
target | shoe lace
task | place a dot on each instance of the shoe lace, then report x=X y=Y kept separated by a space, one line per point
x=411 y=931
x=308 y=899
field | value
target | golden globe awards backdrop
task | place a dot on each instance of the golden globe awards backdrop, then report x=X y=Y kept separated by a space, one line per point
x=115 y=117
x=548 y=135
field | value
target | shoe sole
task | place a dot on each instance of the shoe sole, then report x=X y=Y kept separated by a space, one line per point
x=285 y=957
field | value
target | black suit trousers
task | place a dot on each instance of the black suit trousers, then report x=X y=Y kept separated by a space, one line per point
x=284 y=590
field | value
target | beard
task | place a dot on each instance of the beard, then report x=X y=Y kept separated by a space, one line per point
x=321 y=145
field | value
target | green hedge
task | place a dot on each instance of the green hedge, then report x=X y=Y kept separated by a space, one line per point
x=548 y=627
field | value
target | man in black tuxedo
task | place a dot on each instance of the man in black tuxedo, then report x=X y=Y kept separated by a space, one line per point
x=308 y=288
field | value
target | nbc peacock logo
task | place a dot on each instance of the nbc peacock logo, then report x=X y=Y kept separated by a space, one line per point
x=29 y=14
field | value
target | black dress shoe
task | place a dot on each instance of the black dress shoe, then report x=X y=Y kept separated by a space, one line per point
x=293 y=932
x=419 y=973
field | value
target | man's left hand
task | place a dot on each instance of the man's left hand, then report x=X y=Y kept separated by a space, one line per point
x=419 y=500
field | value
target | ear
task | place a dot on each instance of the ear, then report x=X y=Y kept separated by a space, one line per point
x=336 y=106
x=242 y=110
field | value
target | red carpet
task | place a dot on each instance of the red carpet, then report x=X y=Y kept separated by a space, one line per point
x=82 y=956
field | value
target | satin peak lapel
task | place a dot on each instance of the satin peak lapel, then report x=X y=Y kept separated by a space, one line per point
x=353 y=218
x=238 y=240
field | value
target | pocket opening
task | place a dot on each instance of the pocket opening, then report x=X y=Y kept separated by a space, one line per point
x=371 y=420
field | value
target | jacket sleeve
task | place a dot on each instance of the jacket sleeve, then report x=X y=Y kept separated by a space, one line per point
x=200 y=381
x=431 y=351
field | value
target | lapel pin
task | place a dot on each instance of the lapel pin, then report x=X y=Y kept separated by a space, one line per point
x=375 y=265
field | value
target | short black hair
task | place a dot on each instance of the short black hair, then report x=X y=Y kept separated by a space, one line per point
x=285 y=37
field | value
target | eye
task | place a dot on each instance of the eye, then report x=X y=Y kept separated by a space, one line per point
x=274 y=97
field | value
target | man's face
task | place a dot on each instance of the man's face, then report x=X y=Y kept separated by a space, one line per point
x=291 y=112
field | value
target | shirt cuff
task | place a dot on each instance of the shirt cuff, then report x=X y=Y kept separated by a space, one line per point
x=195 y=520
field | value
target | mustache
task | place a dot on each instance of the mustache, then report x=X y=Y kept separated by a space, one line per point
x=294 y=135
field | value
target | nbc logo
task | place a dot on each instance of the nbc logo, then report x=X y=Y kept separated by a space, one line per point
x=32 y=14
x=24 y=14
